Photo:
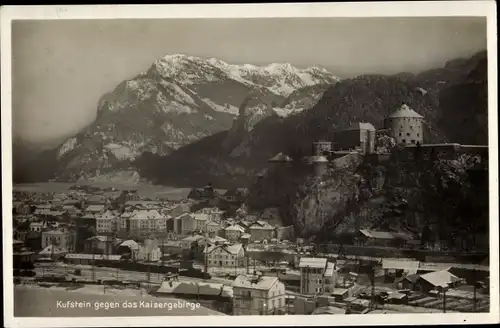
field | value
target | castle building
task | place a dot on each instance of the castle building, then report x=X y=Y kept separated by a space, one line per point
x=406 y=126
x=359 y=136
x=321 y=147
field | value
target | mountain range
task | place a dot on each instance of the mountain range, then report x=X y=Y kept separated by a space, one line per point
x=452 y=99
x=215 y=121
x=180 y=99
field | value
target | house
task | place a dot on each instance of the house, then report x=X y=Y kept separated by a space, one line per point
x=217 y=294
x=21 y=208
x=213 y=213
x=382 y=238
x=261 y=230
x=258 y=295
x=127 y=247
x=87 y=220
x=216 y=240
x=100 y=245
x=148 y=252
x=176 y=209
x=107 y=223
x=190 y=242
x=213 y=227
x=132 y=205
x=234 y=232
x=201 y=220
x=437 y=280
x=62 y=238
x=409 y=282
x=399 y=267
x=53 y=252
x=71 y=210
x=188 y=224
x=317 y=275
x=225 y=255
x=143 y=223
x=38 y=226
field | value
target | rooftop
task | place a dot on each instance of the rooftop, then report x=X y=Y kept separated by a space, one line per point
x=254 y=282
x=313 y=262
x=281 y=158
x=405 y=112
x=440 y=278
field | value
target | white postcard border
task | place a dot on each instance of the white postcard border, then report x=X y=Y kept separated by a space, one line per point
x=366 y=9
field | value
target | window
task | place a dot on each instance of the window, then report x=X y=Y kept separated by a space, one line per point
x=327 y=281
x=400 y=134
x=318 y=281
x=407 y=134
x=418 y=134
x=413 y=141
x=404 y=141
x=411 y=127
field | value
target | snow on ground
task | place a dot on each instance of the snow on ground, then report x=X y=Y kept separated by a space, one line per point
x=66 y=147
x=226 y=108
x=54 y=302
x=121 y=152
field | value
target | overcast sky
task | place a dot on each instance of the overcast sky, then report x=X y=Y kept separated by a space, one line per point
x=60 y=69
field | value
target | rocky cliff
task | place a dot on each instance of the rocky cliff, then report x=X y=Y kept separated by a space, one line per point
x=388 y=196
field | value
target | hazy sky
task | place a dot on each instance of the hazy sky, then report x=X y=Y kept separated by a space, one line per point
x=61 y=68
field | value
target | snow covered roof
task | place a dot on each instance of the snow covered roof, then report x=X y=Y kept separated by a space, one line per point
x=312 y=262
x=405 y=112
x=410 y=266
x=130 y=244
x=235 y=227
x=146 y=214
x=254 y=282
x=330 y=269
x=231 y=249
x=281 y=158
x=189 y=288
x=51 y=249
x=95 y=208
x=440 y=278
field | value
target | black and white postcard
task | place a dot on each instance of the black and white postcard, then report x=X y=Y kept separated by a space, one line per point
x=194 y=165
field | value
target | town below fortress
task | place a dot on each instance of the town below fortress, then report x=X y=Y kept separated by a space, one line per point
x=210 y=247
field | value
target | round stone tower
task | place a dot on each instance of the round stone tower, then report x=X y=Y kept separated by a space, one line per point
x=320 y=165
x=406 y=126
x=320 y=147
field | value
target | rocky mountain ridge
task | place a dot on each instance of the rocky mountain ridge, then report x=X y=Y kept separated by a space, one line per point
x=180 y=99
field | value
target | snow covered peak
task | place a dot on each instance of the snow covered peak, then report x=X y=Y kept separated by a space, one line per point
x=279 y=78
